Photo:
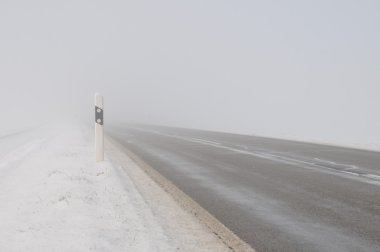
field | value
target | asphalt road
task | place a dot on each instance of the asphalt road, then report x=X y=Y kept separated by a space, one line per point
x=276 y=195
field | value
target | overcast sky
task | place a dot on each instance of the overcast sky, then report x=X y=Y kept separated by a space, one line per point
x=296 y=69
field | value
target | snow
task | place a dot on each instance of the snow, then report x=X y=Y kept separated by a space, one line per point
x=55 y=197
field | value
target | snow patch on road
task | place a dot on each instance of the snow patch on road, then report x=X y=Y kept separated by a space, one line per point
x=343 y=170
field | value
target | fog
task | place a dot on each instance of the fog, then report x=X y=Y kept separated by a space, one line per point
x=306 y=70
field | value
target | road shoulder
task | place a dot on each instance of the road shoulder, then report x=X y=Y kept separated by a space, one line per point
x=188 y=214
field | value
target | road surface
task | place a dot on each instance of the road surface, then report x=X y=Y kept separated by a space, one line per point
x=276 y=195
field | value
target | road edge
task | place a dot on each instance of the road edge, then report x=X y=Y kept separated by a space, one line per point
x=187 y=203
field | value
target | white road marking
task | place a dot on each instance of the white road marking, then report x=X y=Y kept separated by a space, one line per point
x=367 y=178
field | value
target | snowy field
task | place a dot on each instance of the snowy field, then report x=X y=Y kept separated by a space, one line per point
x=54 y=197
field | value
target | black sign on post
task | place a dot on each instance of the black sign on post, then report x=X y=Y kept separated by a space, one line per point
x=98 y=115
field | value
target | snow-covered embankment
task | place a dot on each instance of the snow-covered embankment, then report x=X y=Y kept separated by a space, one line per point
x=54 y=197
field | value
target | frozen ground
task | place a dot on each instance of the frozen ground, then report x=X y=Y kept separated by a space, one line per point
x=54 y=197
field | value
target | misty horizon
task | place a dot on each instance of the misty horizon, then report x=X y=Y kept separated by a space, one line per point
x=299 y=70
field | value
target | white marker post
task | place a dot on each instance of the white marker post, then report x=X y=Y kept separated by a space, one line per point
x=99 y=134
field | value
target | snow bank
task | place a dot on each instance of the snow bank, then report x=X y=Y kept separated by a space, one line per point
x=54 y=197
